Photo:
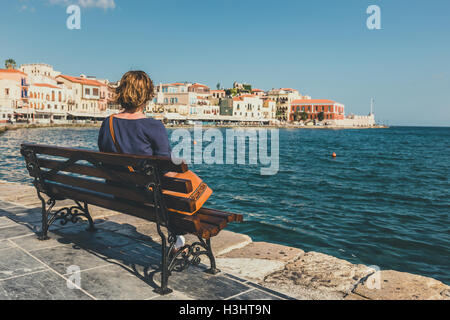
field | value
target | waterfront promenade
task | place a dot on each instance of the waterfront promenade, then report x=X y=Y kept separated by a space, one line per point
x=6 y=127
x=113 y=263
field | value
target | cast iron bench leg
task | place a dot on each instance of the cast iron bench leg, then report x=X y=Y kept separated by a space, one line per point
x=163 y=289
x=212 y=260
x=43 y=236
x=91 y=227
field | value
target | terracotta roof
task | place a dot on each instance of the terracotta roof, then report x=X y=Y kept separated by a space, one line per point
x=85 y=81
x=288 y=89
x=45 y=85
x=12 y=71
x=313 y=101
x=257 y=90
x=199 y=85
x=175 y=84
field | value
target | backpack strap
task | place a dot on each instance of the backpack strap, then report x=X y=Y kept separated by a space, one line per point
x=113 y=136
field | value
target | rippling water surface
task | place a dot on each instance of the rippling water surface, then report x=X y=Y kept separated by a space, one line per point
x=383 y=201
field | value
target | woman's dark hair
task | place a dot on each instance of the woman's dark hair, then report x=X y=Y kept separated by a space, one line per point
x=135 y=90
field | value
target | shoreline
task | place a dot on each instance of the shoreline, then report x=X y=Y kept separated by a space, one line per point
x=288 y=270
x=8 y=127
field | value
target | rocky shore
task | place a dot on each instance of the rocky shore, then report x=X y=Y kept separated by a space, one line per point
x=287 y=270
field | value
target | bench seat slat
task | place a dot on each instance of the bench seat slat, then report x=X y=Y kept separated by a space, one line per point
x=230 y=217
x=221 y=223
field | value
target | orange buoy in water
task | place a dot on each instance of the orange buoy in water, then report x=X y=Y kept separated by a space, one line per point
x=334 y=155
x=195 y=142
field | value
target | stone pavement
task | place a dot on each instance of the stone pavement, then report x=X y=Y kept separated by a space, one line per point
x=120 y=261
x=116 y=262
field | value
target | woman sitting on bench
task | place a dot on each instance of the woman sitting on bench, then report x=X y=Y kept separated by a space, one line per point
x=130 y=131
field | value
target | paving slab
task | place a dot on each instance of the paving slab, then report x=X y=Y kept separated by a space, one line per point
x=125 y=219
x=175 y=295
x=394 y=285
x=98 y=240
x=6 y=222
x=98 y=212
x=138 y=256
x=115 y=283
x=44 y=285
x=6 y=205
x=255 y=294
x=5 y=244
x=146 y=232
x=31 y=242
x=23 y=198
x=202 y=286
x=318 y=276
x=15 y=262
x=16 y=230
x=61 y=258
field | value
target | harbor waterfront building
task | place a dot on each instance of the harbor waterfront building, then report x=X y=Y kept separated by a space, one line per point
x=283 y=97
x=38 y=93
x=313 y=107
x=247 y=108
x=14 y=85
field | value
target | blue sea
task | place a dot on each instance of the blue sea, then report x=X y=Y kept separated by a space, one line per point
x=384 y=200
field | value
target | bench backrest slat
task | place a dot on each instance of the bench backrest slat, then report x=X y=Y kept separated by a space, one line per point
x=163 y=163
x=123 y=192
x=172 y=184
x=96 y=172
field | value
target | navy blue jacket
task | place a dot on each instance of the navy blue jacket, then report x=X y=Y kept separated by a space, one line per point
x=145 y=136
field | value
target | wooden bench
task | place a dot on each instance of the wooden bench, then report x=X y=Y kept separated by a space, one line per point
x=96 y=178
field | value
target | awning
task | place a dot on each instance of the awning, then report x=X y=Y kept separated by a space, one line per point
x=24 y=111
x=55 y=113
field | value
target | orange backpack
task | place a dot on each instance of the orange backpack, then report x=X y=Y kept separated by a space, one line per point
x=201 y=192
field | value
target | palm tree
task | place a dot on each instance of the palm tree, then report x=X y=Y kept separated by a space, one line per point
x=10 y=64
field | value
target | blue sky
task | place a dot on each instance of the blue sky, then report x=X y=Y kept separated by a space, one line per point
x=322 y=48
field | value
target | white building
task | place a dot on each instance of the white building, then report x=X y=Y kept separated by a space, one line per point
x=269 y=109
x=10 y=92
x=49 y=101
x=247 y=108
x=86 y=95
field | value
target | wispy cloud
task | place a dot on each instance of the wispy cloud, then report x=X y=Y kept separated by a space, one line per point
x=102 y=4
x=26 y=5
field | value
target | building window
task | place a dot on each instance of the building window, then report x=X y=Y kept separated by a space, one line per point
x=95 y=92
x=87 y=91
x=7 y=91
